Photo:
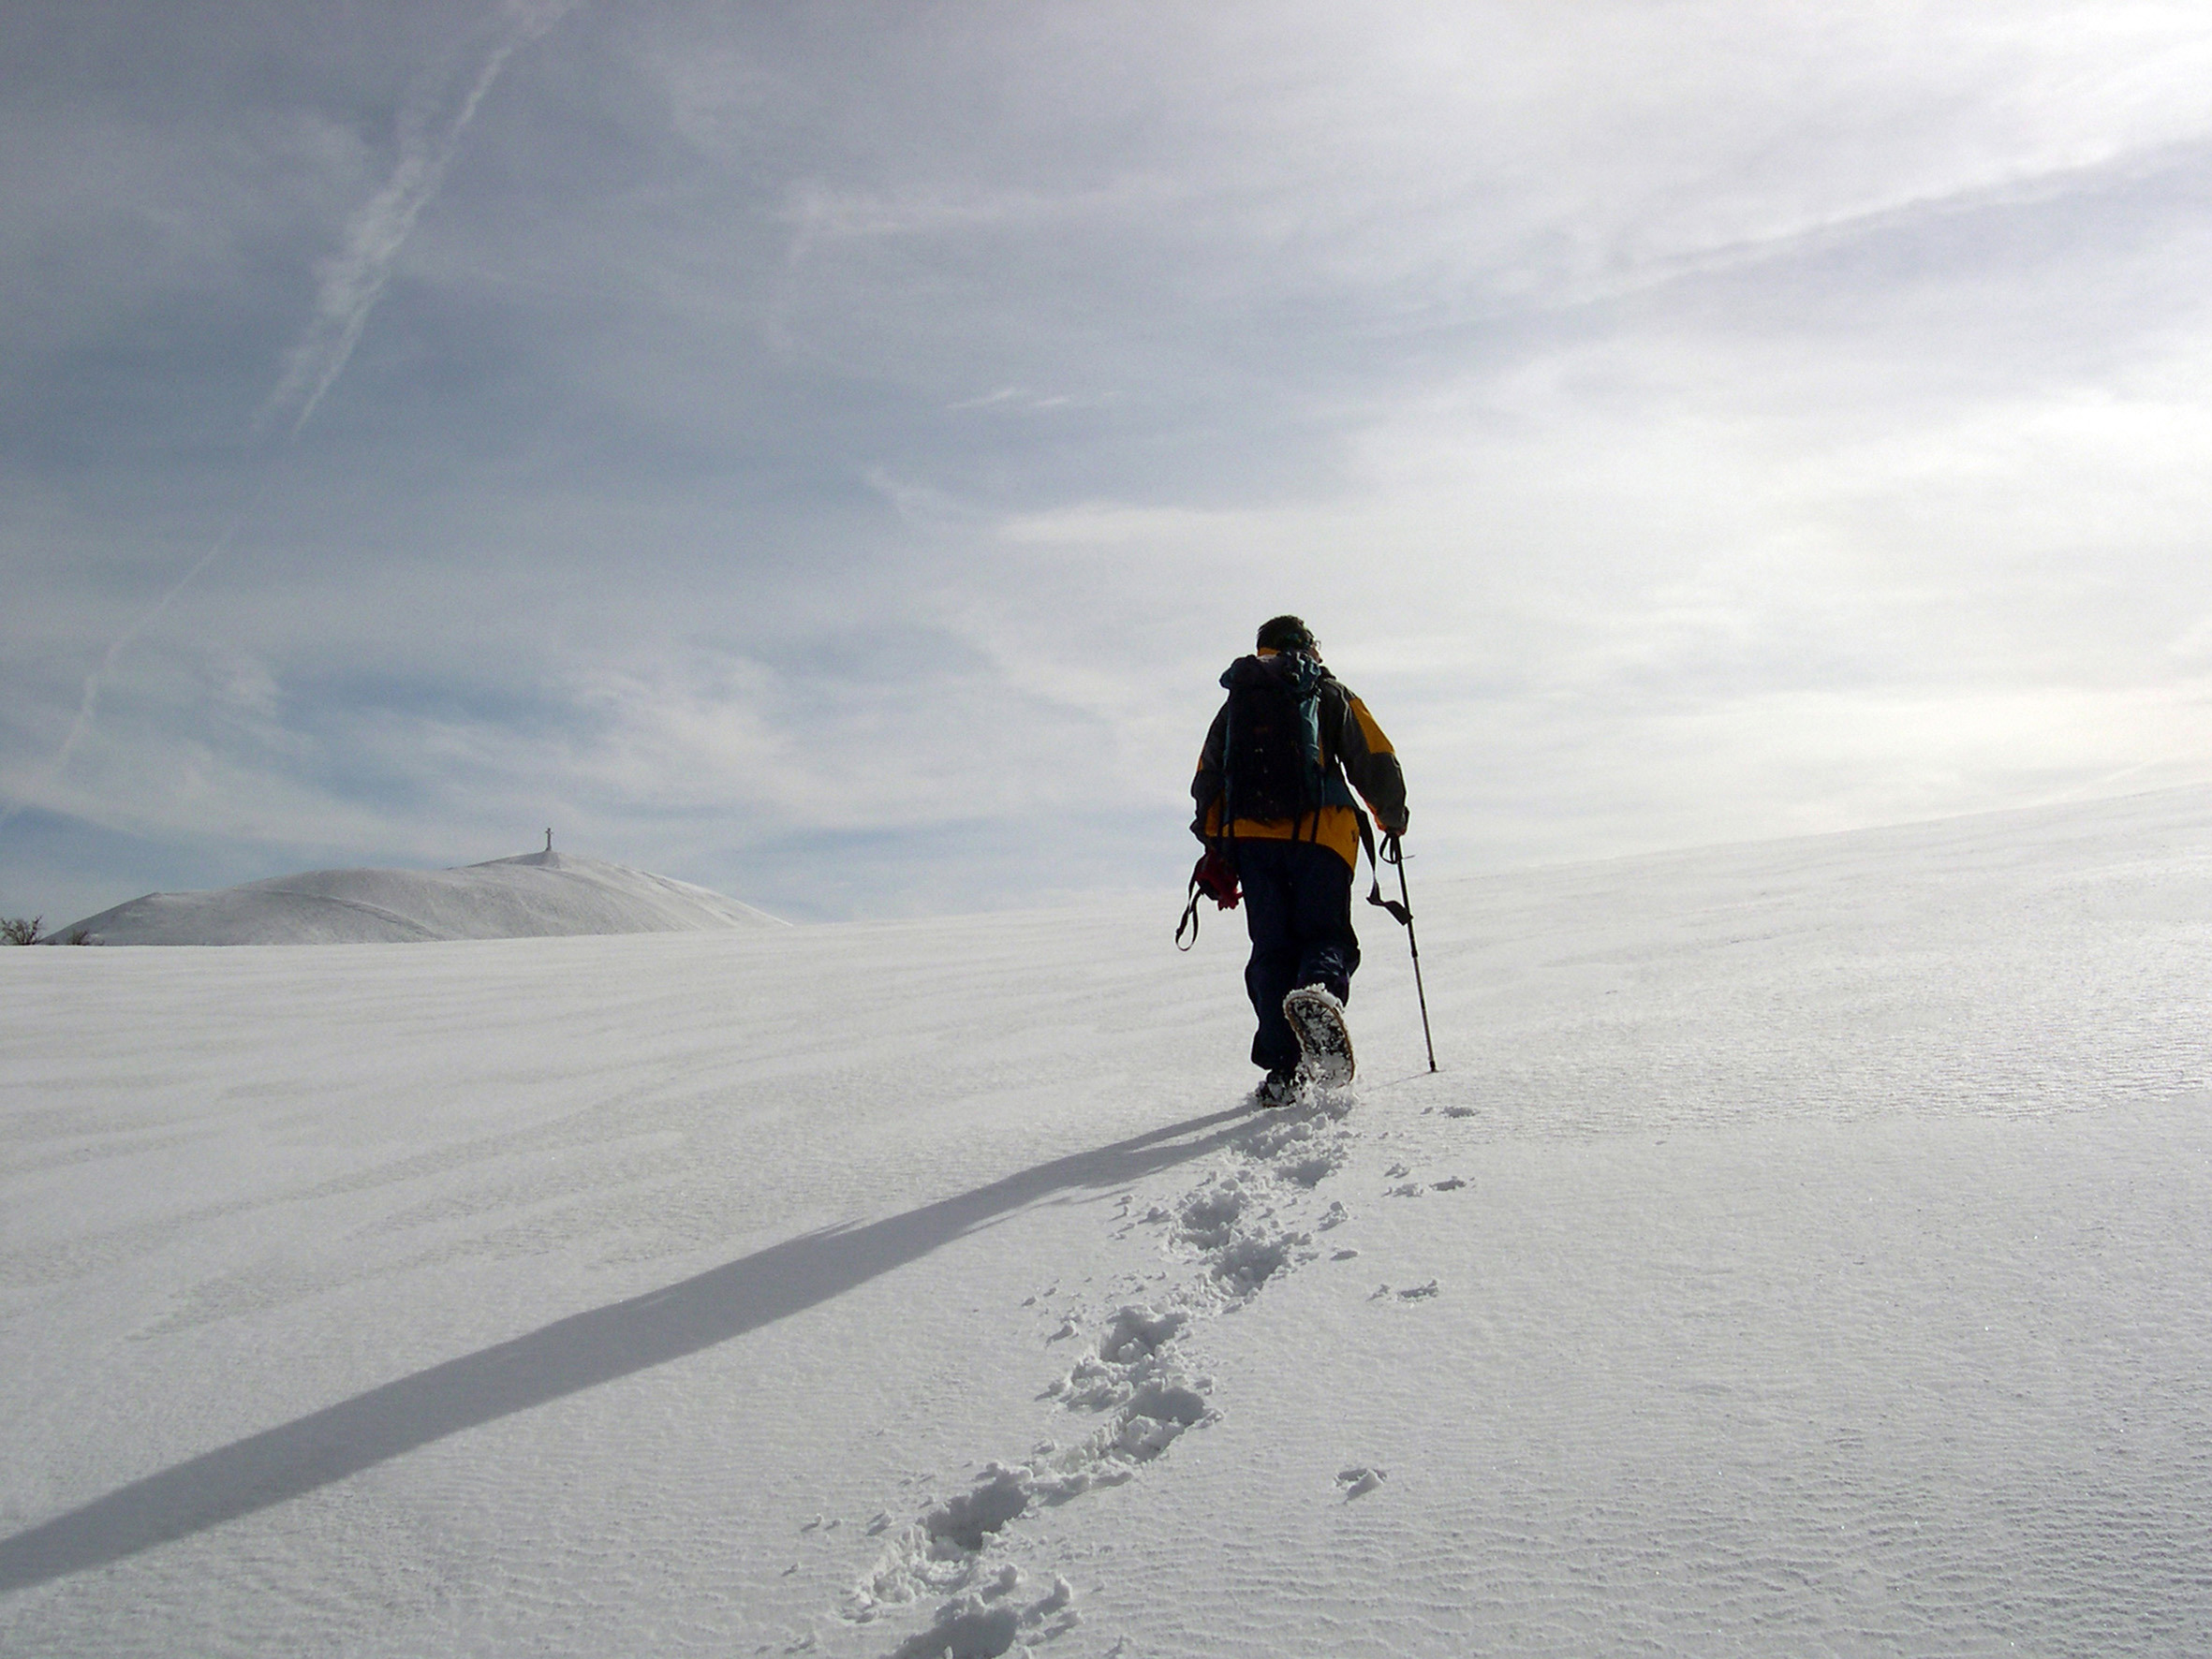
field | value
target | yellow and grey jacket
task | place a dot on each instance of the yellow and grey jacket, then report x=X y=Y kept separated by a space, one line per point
x=1349 y=738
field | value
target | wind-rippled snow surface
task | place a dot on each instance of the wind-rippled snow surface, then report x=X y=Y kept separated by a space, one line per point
x=1802 y=1251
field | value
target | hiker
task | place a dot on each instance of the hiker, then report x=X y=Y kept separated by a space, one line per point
x=1278 y=819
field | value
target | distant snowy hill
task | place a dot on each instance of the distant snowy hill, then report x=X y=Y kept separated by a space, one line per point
x=535 y=895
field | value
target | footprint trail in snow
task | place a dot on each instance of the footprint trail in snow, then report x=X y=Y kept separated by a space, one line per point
x=1252 y=1218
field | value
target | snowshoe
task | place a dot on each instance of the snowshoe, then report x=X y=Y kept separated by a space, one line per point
x=1279 y=1088
x=1317 y=1018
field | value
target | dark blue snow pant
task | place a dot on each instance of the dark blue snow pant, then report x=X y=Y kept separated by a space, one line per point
x=1298 y=909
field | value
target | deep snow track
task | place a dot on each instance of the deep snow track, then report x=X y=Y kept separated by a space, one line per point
x=1802 y=1251
x=1249 y=1221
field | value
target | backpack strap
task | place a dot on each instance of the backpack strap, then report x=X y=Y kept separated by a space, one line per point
x=1316 y=765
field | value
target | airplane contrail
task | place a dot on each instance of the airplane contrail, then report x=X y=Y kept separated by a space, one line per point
x=89 y=705
x=351 y=285
x=353 y=281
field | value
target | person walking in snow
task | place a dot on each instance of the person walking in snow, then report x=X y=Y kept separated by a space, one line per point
x=1278 y=819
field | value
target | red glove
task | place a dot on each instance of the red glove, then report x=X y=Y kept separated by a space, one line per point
x=1216 y=877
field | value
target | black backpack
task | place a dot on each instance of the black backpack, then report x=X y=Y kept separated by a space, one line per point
x=1271 y=757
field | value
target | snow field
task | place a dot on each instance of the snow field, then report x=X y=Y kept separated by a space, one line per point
x=1801 y=1252
x=289 y=1196
x=1874 y=1388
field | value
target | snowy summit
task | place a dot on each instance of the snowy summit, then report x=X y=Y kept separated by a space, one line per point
x=533 y=896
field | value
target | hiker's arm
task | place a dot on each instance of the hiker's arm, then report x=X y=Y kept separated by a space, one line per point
x=1372 y=765
x=1206 y=788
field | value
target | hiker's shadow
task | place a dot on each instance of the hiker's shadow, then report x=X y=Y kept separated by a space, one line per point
x=570 y=1355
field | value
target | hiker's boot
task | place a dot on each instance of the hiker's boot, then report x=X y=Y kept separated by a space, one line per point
x=1317 y=1018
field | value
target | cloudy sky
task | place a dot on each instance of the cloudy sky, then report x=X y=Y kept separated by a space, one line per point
x=828 y=452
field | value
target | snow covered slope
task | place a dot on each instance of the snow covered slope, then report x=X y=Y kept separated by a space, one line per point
x=1802 y=1251
x=533 y=896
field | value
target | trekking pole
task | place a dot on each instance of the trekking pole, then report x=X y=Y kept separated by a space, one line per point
x=1413 y=943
